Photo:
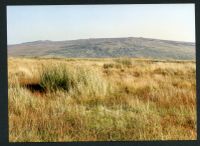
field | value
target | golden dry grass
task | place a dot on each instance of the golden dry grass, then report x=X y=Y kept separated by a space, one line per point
x=107 y=100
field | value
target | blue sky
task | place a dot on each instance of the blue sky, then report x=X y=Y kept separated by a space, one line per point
x=69 y=22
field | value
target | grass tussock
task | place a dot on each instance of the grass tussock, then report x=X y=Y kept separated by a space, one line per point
x=55 y=78
x=87 y=100
x=78 y=81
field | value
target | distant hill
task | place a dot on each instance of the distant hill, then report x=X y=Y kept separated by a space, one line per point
x=107 y=47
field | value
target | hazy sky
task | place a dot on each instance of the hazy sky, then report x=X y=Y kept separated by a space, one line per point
x=162 y=21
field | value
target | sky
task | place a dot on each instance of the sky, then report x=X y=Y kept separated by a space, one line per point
x=70 y=22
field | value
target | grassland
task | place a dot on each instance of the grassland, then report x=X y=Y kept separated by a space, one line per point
x=101 y=100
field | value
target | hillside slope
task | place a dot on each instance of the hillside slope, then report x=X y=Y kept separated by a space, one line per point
x=107 y=47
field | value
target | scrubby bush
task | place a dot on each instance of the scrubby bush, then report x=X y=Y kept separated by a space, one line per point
x=108 y=65
x=124 y=61
x=112 y=65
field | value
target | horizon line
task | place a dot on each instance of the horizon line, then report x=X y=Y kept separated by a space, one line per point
x=99 y=38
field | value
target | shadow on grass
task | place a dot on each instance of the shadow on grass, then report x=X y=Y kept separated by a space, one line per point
x=34 y=87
